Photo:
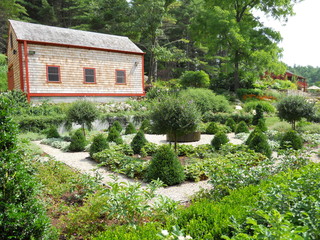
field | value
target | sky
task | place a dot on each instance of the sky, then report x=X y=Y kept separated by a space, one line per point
x=301 y=34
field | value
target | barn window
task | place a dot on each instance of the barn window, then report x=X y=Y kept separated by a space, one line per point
x=89 y=75
x=120 y=77
x=53 y=73
x=11 y=40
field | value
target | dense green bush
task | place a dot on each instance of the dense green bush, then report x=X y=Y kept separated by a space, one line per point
x=99 y=143
x=242 y=127
x=213 y=128
x=52 y=132
x=206 y=100
x=22 y=215
x=117 y=125
x=294 y=108
x=262 y=125
x=259 y=143
x=219 y=139
x=146 y=126
x=165 y=166
x=130 y=129
x=3 y=73
x=175 y=116
x=291 y=139
x=264 y=106
x=138 y=142
x=78 y=141
x=114 y=136
x=231 y=124
x=197 y=79
x=258 y=115
x=83 y=113
x=39 y=123
x=223 y=117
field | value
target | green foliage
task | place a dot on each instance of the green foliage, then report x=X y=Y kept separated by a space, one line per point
x=294 y=108
x=3 y=73
x=262 y=125
x=83 y=113
x=52 y=132
x=138 y=142
x=242 y=92
x=206 y=100
x=145 y=126
x=197 y=79
x=78 y=141
x=231 y=124
x=165 y=166
x=242 y=127
x=39 y=123
x=219 y=139
x=223 y=117
x=259 y=143
x=130 y=129
x=176 y=116
x=99 y=143
x=114 y=136
x=213 y=128
x=264 y=107
x=291 y=139
x=22 y=215
x=117 y=126
x=258 y=115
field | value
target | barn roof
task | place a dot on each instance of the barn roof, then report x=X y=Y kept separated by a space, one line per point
x=65 y=36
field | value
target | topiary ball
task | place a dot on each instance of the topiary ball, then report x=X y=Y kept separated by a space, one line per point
x=78 y=141
x=117 y=125
x=219 y=139
x=53 y=132
x=138 y=142
x=114 y=136
x=242 y=127
x=99 y=143
x=291 y=139
x=213 y=128
x=259 y=143
x=165 y=166
x=231 y=124
x=130 y=129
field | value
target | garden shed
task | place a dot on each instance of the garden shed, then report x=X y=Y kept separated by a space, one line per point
x=63 y=64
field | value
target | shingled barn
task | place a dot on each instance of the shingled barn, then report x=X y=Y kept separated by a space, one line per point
x=62 y=64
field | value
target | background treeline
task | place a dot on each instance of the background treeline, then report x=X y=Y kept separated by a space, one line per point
x=223 y=38
x=311 y=73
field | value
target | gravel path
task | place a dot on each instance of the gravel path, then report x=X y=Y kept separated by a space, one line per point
x=82 y=162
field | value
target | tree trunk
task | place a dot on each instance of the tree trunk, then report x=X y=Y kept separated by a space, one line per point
x=175 y=142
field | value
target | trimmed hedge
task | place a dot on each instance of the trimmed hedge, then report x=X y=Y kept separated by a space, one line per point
x=39 y=123
x=223 y=117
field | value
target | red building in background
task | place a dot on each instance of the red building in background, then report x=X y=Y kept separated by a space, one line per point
x=301 y=81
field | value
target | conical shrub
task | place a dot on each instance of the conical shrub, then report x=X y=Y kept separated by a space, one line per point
x=242 y=127
x=259 y=143
x=78 y=141
x=213 y=128
x=53 y=132
x=165 y=166
x=114 y=136
x=130 y=129
x=138 y=142
x=117 y=125
x=219 y=139
x=99 y=143
x=291 y=139
x=262 y=125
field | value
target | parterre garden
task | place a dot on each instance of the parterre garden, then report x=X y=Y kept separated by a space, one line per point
x=265 y=188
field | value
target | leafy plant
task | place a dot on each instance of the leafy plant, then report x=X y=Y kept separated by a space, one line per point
x=117 y=126
x=258 y=115
x=231 y=124
x=213 y=128
x=262 y=125
x=114 y=136
x=78 y=141
x=219 y=139
x=53 y=132
x=197 y=79
x=258 y=142
x=165 y=166
x=145 y=126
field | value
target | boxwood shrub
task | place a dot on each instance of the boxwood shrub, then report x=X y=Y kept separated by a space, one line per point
x=291 y=139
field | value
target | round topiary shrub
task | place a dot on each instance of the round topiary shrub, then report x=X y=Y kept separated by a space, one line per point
x=138 y=142
x=291 y=139
x=213 y=128
x=130 y=129
x=99 y=143
x=117 y=125
x=165 y=166
x=259 y=143
x=78 y=141
x=242 y=127
x=53 y=132
x=219 y=139
x=231 y=124
x=197 y=79
x=114 y=136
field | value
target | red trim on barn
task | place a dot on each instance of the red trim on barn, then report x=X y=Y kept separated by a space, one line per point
x=75 y=46
x=21 y=66
x=143 y=73
x=25 y=45
x=87 y=94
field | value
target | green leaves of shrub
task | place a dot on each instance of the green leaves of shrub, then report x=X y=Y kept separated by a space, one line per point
x=291 y=139
x=99 y=143
x=165 y=166
x=130 y=129
x=219 y=139
x=138 y=142
x=78 y=141
x=242 y=127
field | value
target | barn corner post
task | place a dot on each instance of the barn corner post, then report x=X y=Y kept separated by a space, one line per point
x=25 y=48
